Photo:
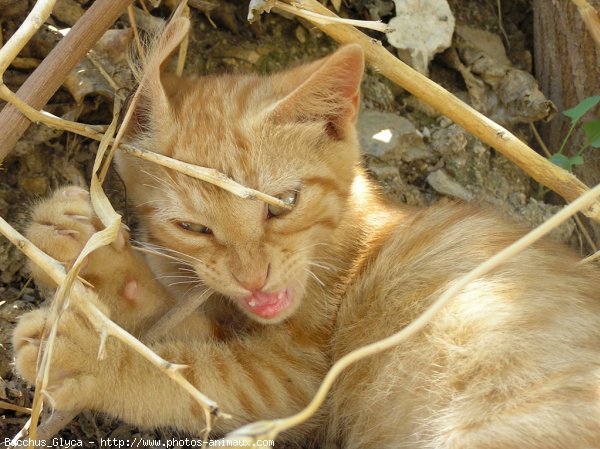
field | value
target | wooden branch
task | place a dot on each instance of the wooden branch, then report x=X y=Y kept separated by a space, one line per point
x=53 y=70
x=539 y=168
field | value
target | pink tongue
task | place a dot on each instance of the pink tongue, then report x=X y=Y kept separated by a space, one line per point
x=268 y=305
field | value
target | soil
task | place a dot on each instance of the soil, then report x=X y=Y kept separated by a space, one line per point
x=434 y=158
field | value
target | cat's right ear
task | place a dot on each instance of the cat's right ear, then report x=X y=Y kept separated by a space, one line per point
x=327 y=90
x=152 y=104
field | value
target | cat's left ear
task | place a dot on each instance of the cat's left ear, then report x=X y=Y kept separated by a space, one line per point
x=328 y=90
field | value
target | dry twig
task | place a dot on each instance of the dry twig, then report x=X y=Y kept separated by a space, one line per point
x=376 y=25
x=16 y=408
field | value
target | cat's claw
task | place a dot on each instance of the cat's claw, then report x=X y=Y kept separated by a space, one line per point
x=61 y=226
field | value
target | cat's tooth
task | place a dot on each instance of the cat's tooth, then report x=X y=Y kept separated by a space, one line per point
x=280 y=295
x=252 y=303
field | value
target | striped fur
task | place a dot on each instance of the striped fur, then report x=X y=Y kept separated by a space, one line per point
x=512 y=362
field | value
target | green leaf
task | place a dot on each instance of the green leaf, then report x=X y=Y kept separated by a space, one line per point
x=576 y=160
x=566 y=162
x=580 y=110
x=592 y=132
x=561 y=160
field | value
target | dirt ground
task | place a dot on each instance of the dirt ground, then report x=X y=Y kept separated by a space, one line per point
x=427 y=158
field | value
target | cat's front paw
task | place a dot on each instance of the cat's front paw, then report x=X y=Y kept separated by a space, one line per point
x=74 y=376
x=61 y=225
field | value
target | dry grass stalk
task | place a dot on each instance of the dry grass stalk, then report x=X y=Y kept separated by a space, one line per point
x=270 y=429
x=376 y=25
x=590 y=18
x=136 y=33
x=98 y=65
x=38 y=15
x=593 y=258
x=538 y=167
x=206 y=174
x=16 y=408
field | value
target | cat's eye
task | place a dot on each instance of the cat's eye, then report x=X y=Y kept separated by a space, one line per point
x=289 y=197
x=193 y=227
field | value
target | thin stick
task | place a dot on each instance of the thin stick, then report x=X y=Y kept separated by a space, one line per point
x=592 y=258
x=176 y=315
x=183 y=47
x=16 y=408
x=206 y=174
x=376 y=25
x=136 y=34
x=539 y=140
x=578 y=221
x=34 y=20
x=35 y=116
x=538 y=167
x=585 y=233
x=270 y=429
x=92 y=58
x=501 y=23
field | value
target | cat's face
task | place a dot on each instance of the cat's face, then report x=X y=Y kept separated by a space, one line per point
x=291 y=136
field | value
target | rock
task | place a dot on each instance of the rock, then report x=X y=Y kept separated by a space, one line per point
x=390 y=137
x=535 y=212
x=376 y=92
x=449 y=141
x=13 y=8
x=110 y=52
x=67 y=11
x=502 y=92
x=444 y=184
x=422 y=28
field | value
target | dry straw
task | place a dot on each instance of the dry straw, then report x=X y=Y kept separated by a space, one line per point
x=72 y=292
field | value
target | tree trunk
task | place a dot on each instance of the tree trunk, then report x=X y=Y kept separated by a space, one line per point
x=567 y=67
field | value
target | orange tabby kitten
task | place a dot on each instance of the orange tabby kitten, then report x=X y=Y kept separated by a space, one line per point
x=513 y=362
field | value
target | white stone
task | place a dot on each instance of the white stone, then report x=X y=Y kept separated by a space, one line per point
x=422 y=28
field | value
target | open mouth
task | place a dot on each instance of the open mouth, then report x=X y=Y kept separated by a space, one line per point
x=268 y=304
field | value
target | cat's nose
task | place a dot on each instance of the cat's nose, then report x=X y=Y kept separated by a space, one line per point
x=253 y=280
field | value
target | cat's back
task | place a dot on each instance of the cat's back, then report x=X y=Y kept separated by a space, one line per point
x=516 y=352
